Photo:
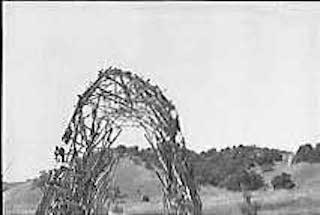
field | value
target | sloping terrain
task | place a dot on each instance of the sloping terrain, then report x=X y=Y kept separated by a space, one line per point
x=304 y=174
x=133 y=180
x=21 y=199
x=307 y=175
x=7 y=186
x=130 y=177
x=304 y=199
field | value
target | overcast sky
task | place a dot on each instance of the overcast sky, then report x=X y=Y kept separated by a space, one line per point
x=238 y=73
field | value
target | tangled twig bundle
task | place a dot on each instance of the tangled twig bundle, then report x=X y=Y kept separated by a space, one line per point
x=118 y=99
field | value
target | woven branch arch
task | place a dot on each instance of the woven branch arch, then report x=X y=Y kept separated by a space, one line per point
x=118 y=99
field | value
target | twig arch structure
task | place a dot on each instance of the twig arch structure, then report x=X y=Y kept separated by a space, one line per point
x=115 y=100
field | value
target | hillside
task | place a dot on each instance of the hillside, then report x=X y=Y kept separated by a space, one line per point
x=139 y=177
x=134 y=177
x=304 y=174
x=303 y=200
x=7 y=186
x=23 y=198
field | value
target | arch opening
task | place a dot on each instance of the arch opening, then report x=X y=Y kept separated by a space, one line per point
x=115 y=101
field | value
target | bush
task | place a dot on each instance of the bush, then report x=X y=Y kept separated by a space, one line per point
x=222 y=168
x=306 y=153
x=145 y=198
x=282 y=181
x=251 y=180
x=121 y=149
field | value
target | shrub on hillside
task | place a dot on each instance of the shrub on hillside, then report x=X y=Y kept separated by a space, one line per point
x=145 y=198
x=250 y=179
x=214 y=167
x=121 y=149
x=282 y=181
x=225 y=168
x=306 y=153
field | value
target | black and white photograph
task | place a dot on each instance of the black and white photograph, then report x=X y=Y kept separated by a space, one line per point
x=160 y=108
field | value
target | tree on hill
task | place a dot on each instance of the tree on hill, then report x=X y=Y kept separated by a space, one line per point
x=306 y=153
x=213 y=167
x=230 y=166
x=225 y=168
x=250 y=179
x=283 y=181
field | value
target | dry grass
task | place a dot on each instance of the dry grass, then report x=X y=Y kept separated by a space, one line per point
x=305 y=200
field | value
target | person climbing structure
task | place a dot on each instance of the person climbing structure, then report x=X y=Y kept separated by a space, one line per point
x=56 y=153
x=59 y=152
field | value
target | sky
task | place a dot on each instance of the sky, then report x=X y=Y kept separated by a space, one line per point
x=238 y=73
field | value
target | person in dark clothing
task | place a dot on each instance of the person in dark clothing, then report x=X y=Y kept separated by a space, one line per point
x=61 y=153
x=56 y=153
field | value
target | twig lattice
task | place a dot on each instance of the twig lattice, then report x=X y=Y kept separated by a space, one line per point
x=118 y=99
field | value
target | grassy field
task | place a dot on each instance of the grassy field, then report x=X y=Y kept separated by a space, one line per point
x=303 y=200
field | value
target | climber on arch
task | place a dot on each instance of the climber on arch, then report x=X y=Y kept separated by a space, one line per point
x=59 y=152
x=56 y=153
